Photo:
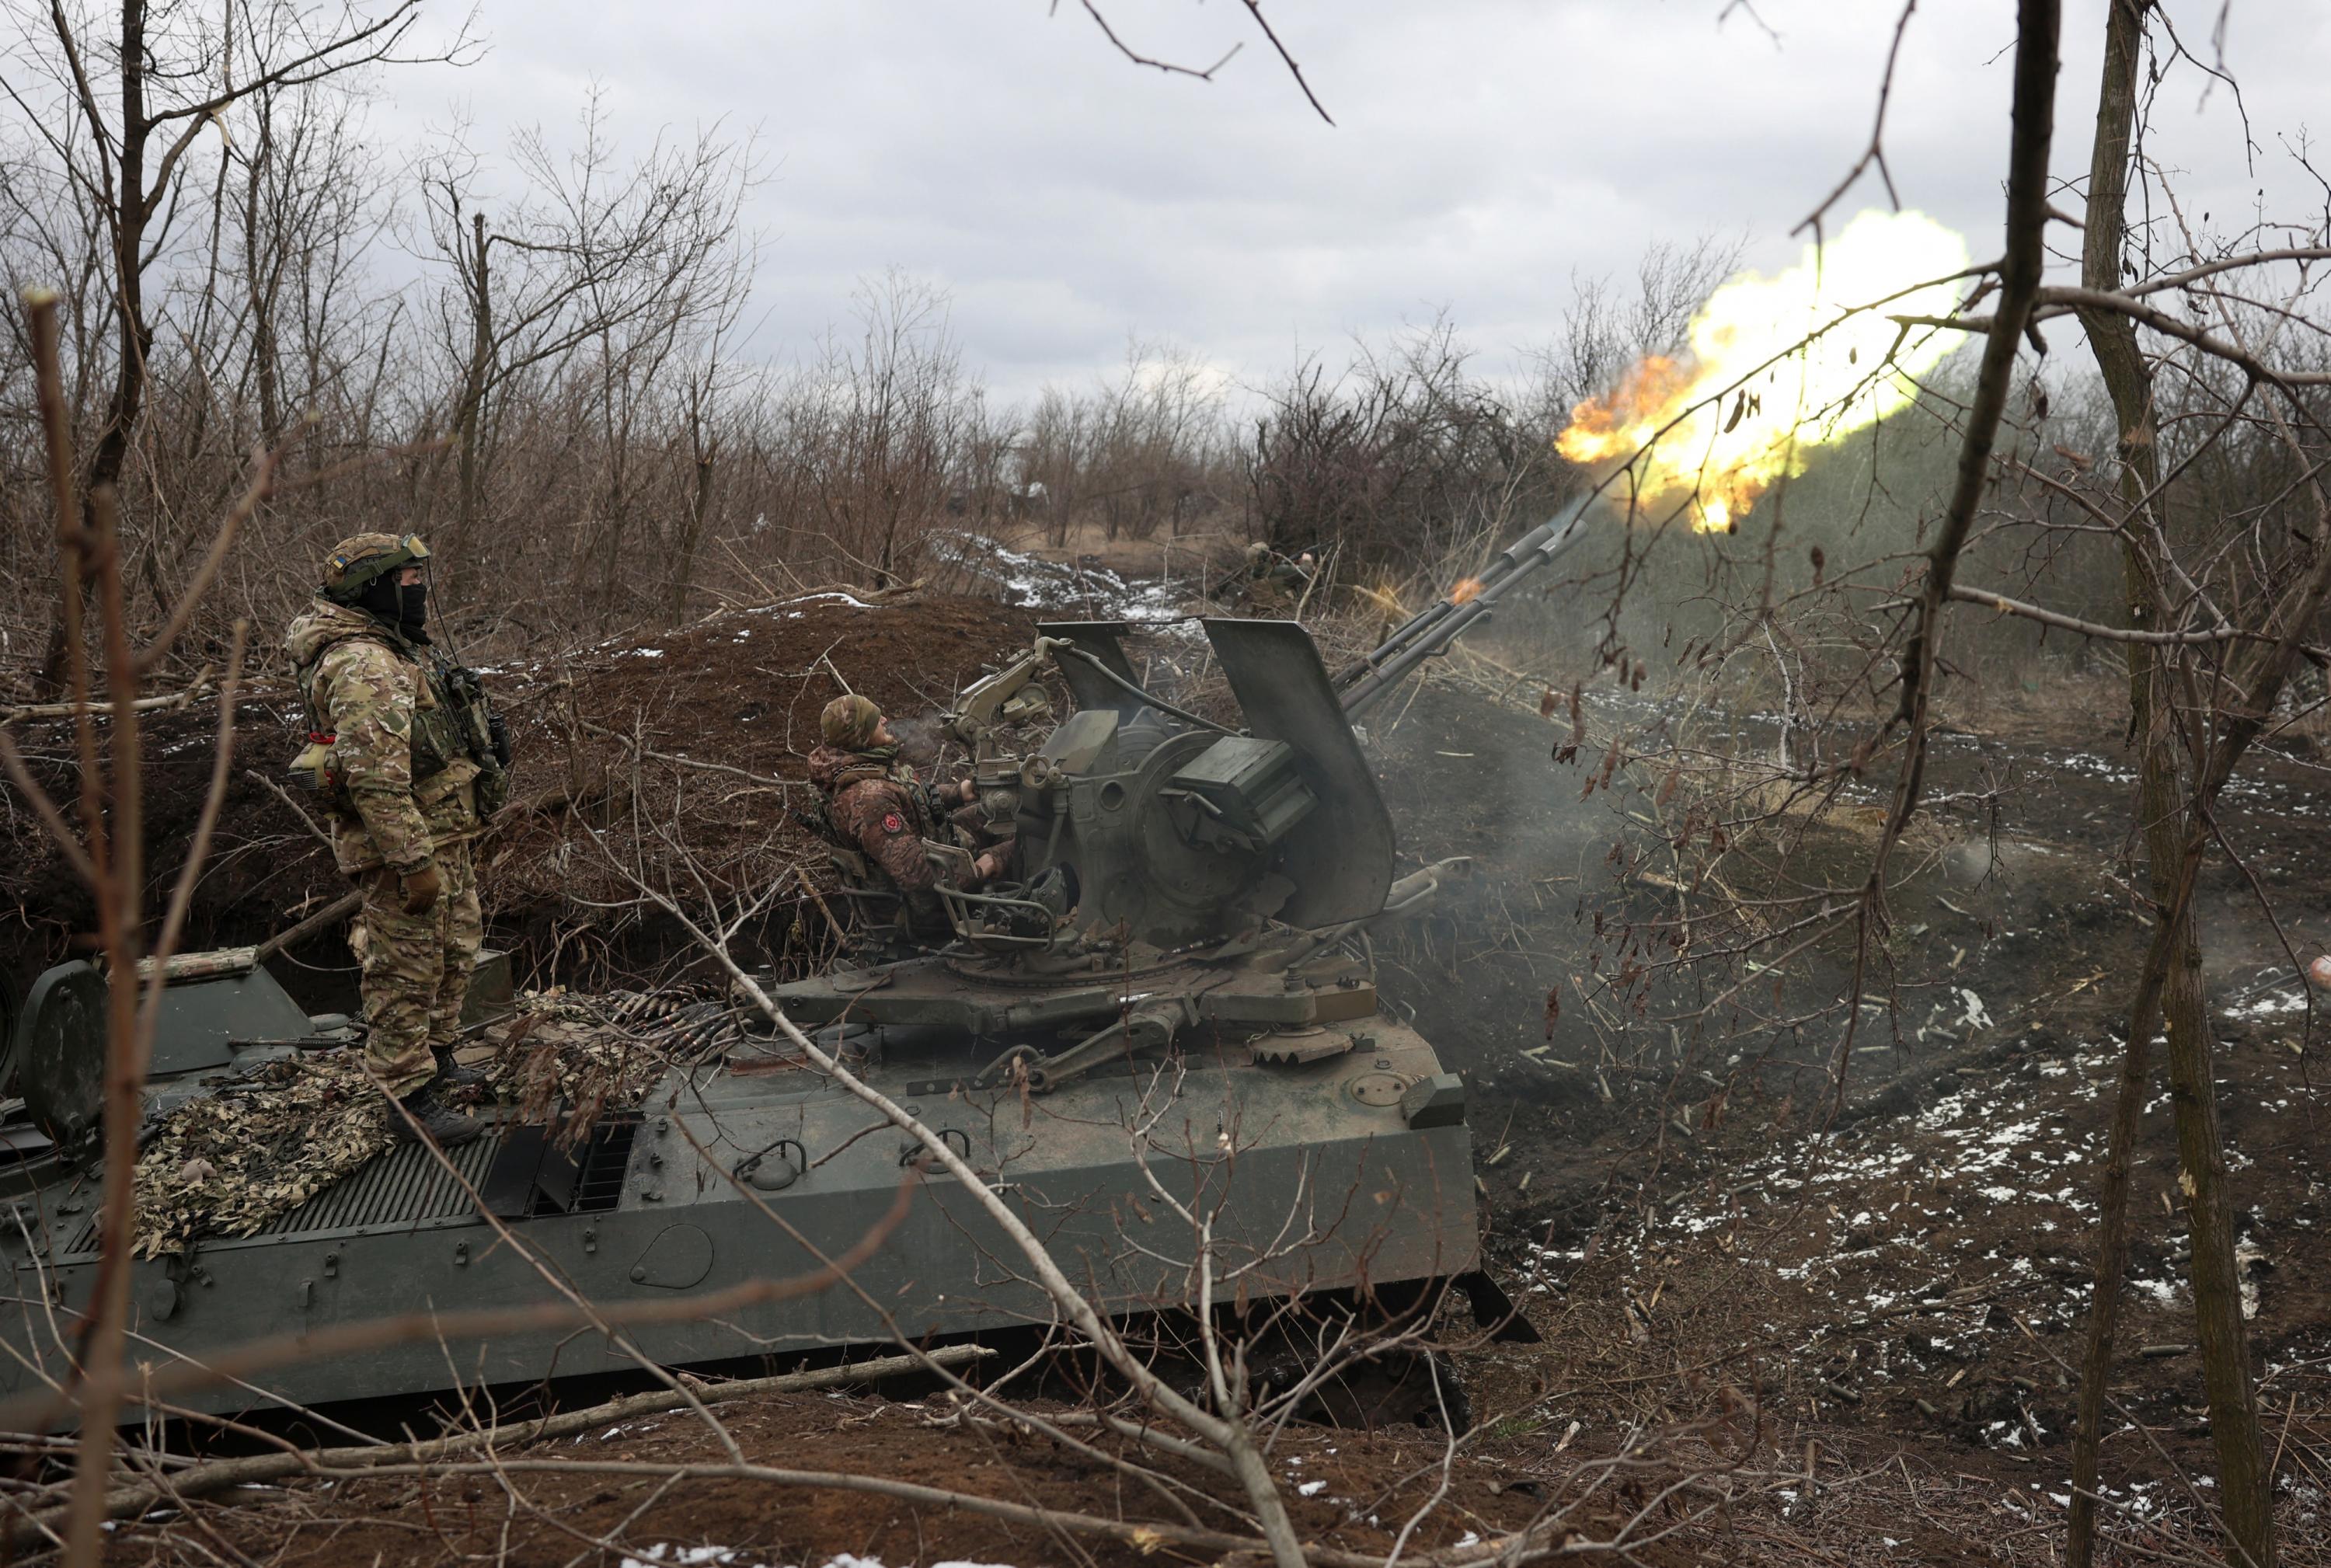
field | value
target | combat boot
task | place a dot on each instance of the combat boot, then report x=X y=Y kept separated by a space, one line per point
x=451 y=1074
x=433 y=1118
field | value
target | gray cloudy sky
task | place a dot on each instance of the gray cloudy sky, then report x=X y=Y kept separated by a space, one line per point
x=1484 y=150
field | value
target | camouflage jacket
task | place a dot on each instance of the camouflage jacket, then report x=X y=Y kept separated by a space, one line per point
x=403 y=775
x=876 y=803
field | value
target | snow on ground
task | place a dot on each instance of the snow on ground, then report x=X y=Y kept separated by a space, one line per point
x=1935 y=1266
x=1091 y=590
x=666 y=1554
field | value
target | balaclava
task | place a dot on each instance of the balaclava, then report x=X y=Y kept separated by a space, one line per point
x=407 y=605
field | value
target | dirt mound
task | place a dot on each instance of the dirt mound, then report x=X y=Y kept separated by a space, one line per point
x=680 y=761
x=743 y=689
x=693 y=739
x=267 y=866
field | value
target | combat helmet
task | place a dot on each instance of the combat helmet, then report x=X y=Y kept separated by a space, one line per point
x=850 y=722
x=356 y=562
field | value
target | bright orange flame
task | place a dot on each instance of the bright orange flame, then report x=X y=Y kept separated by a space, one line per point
x=1467 y=590
x=1779 y=393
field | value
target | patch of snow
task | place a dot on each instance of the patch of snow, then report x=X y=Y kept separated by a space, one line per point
x=1094 y=590
x=1975 y=1015
x=664 y=1554
x=2267 y=1006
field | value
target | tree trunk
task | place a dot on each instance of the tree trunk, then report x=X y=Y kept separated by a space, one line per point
x=2176 y=966
x=700 y=507
x=133 y=338
x=469 y=417
x=263 y=237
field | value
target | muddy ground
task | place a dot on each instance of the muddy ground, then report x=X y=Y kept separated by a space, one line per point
x=1909 y=1276
x=1887 y=1287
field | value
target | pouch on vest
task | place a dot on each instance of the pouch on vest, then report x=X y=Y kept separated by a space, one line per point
x=438 y=741
x=313 y=769
x=483 y=735
x=491 y=789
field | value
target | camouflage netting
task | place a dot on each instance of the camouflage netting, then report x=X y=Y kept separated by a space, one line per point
x=595 y=1054
x=257 y=1147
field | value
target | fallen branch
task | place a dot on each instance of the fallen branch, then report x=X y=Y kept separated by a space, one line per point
x=226 y=1474
x=200 y=687
x=339 y=908
x=1147 y=1537
x=1550 y=1538
x=281 y=793
x=2063 y=622
x=630 y=745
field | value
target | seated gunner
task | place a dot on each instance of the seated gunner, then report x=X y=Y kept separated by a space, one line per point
x=877 y=805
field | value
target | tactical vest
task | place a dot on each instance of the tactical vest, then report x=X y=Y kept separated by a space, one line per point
x=439 y=733
x=918 y=799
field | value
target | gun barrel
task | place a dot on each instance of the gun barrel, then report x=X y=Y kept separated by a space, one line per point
x=1431 y=631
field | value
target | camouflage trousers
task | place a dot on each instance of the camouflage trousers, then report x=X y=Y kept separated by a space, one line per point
x=416 y=969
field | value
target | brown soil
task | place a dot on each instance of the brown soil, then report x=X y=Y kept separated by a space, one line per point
x=1908 y=1280
x=1369 y=1484
x=696 y=744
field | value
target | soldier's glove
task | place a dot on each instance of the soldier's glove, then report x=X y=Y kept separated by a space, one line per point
x=421 y=887
x=497 y=731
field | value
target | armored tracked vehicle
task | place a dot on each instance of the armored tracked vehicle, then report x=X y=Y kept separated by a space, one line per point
x=1178 y=977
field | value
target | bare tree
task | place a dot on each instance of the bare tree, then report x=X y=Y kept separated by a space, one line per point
x=1405 y=458
x=1604 y=332
x=1055 y=453
x=884 y=428
x=109 y=853
x=626 y=263
x=2188 y=750
x=177 y=73
x=2210 y=351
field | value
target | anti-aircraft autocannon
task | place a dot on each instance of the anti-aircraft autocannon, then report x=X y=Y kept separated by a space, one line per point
x=1226 y=875
x=1173 y=871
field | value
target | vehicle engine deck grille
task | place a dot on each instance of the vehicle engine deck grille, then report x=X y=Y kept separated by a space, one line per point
x=408 y=1182
x=599 y=1189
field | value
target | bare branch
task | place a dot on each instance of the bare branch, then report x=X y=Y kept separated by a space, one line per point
x=1875 y=153
x=1207 y=75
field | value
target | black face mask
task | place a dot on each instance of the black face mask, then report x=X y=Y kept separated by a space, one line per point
x=407 y=605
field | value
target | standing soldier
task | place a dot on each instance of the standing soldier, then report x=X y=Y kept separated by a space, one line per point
x=410 y=761
x=877 y=804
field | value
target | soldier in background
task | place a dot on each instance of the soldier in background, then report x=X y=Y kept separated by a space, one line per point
x=1267 y=584
x=409 y=762
x=875 y=803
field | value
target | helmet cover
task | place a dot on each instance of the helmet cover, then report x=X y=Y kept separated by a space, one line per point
x=850 y=722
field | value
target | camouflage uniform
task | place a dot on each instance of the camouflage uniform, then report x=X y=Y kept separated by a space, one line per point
x=404 y=800
x=1272 y=587
x=875 y=802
